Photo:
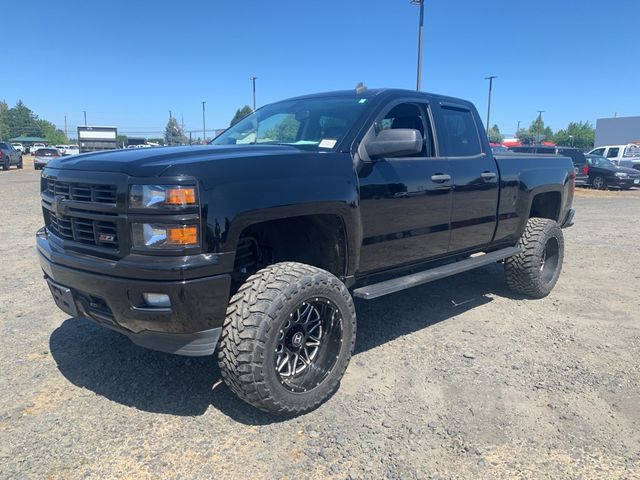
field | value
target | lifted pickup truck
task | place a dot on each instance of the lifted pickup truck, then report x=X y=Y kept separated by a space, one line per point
x=256 y=244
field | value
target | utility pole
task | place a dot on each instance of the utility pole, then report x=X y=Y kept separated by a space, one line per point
x=190 y=141
x=540 y=112
x=490 y=78
x=85 y=117
x=65 y=125
x=170 y=116
x=253 y=80
x=420 y=26
x=204 y=130
x=518 y=129
x=182 y=122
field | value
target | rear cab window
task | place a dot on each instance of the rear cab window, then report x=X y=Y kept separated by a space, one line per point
x=546 y=150
x=47 y=152
x=576 y=156
x=460 y=132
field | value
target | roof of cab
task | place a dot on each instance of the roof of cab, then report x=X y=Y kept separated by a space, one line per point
x=378 y=92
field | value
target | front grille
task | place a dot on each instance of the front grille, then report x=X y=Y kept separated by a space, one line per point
x=83 y=230
x=81 y=192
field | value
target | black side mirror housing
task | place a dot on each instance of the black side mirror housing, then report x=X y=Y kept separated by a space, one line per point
x=395 y=142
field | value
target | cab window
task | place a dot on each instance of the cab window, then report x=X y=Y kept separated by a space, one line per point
x=409 y=115
x=461 y=133
x=613 y=152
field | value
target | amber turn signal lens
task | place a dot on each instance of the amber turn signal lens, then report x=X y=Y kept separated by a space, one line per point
x=182 y=235
x=181 y=196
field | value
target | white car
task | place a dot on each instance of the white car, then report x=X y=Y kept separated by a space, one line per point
x=19 y=147
x=68 y=149
x=622 y=155
x=34 y=148
x=71 y=150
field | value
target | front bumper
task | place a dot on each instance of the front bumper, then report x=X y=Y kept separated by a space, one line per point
x=623 y=182
x=191 y=326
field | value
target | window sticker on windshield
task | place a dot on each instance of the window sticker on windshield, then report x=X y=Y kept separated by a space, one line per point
x=327 y=143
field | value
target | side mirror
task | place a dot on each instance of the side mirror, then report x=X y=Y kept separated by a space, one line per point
x=395 y=142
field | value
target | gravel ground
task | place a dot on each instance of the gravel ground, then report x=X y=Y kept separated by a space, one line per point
x=455 y=379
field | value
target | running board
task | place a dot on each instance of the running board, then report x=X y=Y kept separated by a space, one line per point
x=396 y=284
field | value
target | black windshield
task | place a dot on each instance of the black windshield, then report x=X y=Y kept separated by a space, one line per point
x=318 y=123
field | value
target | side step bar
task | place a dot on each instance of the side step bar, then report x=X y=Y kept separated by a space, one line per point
x=396 y=284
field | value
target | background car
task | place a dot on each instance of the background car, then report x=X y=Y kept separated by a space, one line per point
x=19 y=147
x=71 y=150
x=624 y=155
x=35 y=147
x=576 y=155
x=9 y=156
x=498 y=149
x=43 y=155
x=603 y=173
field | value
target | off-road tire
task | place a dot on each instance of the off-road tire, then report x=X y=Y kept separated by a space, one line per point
x=6 y=164
x=535 y=271
x=20 y=164
x=255 y=318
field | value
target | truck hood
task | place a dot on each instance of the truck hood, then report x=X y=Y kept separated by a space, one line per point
x=616 y=169
x=150 y=162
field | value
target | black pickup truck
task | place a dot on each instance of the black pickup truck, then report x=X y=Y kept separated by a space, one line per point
x=255 y=244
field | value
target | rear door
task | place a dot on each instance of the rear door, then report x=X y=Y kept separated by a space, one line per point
x=475 y=177
x=405 y=202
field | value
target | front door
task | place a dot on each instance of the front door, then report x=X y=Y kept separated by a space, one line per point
x=405 y=203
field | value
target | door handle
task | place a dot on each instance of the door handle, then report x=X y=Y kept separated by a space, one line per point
x=488 y=175
x=440 y=178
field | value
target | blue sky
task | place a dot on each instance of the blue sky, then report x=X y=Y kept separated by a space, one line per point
x=129 y=63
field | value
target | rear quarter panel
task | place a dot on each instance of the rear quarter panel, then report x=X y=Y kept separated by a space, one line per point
x=522 y=177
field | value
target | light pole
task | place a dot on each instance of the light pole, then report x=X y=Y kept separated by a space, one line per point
x=85 y=117
x=518 y=129
x=170 y=116
x=490 y=78
x=253 y=80
x=571 y=139
x=204 y=130
x=420 y=25
x=540 y=112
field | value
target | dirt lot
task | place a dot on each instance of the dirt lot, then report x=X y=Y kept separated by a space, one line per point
x=455 y=379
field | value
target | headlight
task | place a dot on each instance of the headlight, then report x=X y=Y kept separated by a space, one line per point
x=159 y=236
x=162 y=196
x=621 y=175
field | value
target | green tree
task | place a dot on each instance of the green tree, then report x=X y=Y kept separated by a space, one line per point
x=494 y=134
x=22 y=121
x=285 y=131
x=577 y=134
x=173 y=133
x=51 y=133
x=240 y=114
x=159 y=141
x=4 y=125
x=537 y=132
x=121 y=141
